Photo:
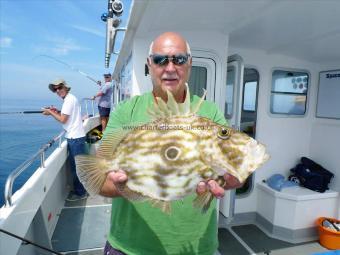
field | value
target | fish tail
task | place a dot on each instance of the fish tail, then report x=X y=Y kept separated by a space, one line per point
x=203 y=201
x=92 y=172
x=165 y=206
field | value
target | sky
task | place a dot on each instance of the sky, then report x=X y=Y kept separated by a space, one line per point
x=70 y=31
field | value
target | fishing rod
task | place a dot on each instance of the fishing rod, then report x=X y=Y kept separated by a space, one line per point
x=69 y=66
x=23 y=112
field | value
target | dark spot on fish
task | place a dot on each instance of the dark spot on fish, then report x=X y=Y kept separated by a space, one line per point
x=164 y=194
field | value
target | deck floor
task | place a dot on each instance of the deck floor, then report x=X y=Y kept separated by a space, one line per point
x=260 y=243
x=83 y=226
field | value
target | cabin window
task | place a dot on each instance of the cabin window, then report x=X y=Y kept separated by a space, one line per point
x=126 y=80
x=198 y=80
x=249 y=96
x=289 y=92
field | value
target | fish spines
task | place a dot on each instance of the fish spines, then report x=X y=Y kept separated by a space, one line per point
x=92 y=172
x=172 y=108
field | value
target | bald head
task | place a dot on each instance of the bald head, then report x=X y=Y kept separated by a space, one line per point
x=167 y=37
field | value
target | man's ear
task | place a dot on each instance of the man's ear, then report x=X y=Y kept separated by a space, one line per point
x=146 y=69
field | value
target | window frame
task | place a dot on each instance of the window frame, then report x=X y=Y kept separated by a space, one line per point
x=287 y=115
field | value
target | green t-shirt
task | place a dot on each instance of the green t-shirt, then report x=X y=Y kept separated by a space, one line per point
x=137 y=228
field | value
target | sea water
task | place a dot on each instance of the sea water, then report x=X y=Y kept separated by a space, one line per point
x=22 y=135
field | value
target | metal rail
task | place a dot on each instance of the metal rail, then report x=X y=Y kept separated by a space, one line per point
x=86 y=100
x=13 y=175
x=40 y=154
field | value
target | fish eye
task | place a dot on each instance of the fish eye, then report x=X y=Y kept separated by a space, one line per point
x=224 y=133
x=172 y=153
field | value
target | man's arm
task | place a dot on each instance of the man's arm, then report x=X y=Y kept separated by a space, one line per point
x=102 y=91
x=99 y=94
x=56 y=114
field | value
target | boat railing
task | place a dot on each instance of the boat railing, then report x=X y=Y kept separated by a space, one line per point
x=86 y=101
x=20 y=169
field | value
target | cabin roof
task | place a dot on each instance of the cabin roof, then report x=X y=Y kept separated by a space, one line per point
x=304 y=29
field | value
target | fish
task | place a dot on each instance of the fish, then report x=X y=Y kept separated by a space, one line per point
x=168 y=156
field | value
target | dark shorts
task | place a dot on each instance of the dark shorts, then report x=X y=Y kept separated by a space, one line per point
x=103 y=111
x=109 y=250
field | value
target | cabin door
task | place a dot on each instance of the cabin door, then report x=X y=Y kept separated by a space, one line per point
x=202 y=76
x=232 y=112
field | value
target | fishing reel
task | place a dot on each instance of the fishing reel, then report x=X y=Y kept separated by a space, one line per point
x=116 y=7
x=115 y=21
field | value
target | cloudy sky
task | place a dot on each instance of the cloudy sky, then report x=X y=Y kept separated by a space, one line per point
x=70 y=31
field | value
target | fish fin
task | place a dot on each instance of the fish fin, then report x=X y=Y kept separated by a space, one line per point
x=92 y=172
x=165 y=206
x=160 y=109
x=172 y=105
x=184 y=109
x=155 y=113
x=129 y=194
x=162 y=106
x=110 y=142
x=203 y=201
x=196 y=107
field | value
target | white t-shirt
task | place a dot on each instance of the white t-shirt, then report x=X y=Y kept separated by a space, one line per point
x=74 y=125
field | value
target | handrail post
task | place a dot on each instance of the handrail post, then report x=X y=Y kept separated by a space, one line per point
x=93 y=107
x=42 y=159
x=86 y=101
x=87 y=112
x=8 y=191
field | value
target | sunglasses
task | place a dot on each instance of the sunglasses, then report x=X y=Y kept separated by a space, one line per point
x=58 y=88
x=163 y=60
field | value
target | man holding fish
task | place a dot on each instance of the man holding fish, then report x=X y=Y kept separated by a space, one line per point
x=164 y=181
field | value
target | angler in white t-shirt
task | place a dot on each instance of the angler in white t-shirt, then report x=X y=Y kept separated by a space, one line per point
x=70 y=117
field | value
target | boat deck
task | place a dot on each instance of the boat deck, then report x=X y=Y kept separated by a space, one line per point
x=83 y=226
x=250 y=238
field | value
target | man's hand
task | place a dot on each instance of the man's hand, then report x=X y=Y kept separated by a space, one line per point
x=117 y=177
x=48 y=110
x=231 y=182
x=113 y=179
